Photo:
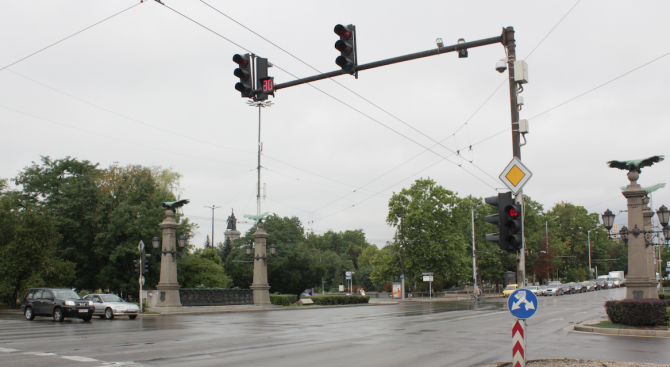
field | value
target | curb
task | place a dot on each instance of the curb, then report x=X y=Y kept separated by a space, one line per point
x=627 y=332
x=202 y=312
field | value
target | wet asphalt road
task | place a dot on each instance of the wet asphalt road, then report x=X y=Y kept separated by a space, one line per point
x=414 y=334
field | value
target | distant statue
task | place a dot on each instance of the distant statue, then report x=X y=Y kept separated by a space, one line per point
x=256 y=218
x=174 y=205
x=636 y=165
x=232 y=221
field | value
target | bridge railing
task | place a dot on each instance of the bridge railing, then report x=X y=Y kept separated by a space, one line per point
x=215 y=297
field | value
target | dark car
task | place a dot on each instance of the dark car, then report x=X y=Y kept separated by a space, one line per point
x=601 y=284
x=58 y=303
x=567 y=288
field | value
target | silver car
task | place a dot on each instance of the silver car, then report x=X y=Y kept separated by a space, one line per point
x=109 y=305
x=554 y=289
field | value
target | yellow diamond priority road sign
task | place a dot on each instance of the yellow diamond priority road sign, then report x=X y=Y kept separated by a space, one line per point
x=515 y=175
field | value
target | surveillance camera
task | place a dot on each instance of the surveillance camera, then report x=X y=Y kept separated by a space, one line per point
x=439 y=42
x=501 y=66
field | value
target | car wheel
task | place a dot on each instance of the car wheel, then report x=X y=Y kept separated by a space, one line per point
x=58 y=315
x=87 y=318
x=132 y=317
x=109 y=314
x=29 y=314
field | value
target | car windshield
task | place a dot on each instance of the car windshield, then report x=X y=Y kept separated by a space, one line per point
x=111 y=298
x=510 y=288
x=531 y=287
x=543 y=286
x=554 y=284
x=65 y=294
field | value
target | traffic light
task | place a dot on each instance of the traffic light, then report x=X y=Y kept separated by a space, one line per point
x=347 y=47
x=513 y=220
x=145 y=263
x=137 y=266
x=501 y=220
x=245 y=85
x=264 y=83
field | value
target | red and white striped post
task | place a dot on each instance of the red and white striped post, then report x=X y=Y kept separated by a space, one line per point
x=519 y=343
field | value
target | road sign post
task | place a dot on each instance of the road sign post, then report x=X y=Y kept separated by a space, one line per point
x=140 y=247
x=522 y=304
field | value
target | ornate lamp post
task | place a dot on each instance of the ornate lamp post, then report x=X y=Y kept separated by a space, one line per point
x=638 y=282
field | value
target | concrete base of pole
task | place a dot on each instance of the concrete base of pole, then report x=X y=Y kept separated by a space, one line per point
x=261 y=294
x=168 y=295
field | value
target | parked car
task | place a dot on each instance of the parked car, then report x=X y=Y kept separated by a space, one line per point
x=554 y=289
x=580 y=287
x=510 y=289
x=542 y=291
x=611 y=284
x=567 y=288
x=602 y=284
x=109 y=305
x=58 y=303
x=616 y=282
x=590 y=286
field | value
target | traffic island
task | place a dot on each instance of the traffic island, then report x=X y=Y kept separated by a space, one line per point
x=578 y=363
x=608 y=328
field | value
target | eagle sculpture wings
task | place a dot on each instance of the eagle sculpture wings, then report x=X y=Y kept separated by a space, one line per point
x=256 y=218
x=173 y=205
x=648 y=189
x=636 y=164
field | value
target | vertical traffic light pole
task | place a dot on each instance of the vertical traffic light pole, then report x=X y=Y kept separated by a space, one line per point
x=510 y=45
x=402 y=253
x=140 y=280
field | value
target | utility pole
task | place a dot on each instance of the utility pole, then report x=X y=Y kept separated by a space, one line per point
x=510 y=45
x=213 y=207
x=474 y=259
x=402 y=253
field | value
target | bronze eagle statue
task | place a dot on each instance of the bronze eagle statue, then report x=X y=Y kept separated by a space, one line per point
x=173 y=205
x=636 y=164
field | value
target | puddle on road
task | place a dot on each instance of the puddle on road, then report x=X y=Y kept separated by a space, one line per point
x=424 y=308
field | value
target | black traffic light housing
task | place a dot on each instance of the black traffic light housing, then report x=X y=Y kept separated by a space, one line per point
x=348 y=59
x=145 y=263
x=245 y=85
x=136 y=264
x=264 y=83
x=509 y=221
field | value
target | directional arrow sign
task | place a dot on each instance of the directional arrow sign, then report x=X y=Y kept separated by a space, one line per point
x=522 y=303
x=515 y=175
x=140 y=246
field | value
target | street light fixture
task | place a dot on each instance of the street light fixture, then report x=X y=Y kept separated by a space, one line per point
x=624 y=234
x=156 y=242
x=608 y=219
x=663 y=215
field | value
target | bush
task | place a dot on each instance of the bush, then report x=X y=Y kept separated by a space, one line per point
x=637 y=312
x=339 y=300
x=283 y=299
x=667 y=316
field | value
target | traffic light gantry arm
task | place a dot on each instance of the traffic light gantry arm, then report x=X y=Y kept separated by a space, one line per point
x=395 y=60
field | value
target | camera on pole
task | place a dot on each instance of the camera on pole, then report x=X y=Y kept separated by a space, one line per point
x=348 y=59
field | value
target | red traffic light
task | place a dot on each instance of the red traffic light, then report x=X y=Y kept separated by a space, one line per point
x=342 y=31
x=513 y=213
x=241 y=60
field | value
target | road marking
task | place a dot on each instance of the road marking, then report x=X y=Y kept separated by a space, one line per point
x=552 y=320
x=80 y=359
x=7 y=350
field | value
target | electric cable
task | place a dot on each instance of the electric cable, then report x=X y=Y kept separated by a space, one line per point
x=545 y=37
x=70 y=36
x=122 y=140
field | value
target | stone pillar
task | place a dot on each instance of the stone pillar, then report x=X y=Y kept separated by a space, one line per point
x=648 y=214
x=168 y=286
x=232 y=235
x=638 y=284
x=260 y=286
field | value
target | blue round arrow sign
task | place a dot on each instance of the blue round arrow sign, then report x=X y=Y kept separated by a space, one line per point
x=522 y=303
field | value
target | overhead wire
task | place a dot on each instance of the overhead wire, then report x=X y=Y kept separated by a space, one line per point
x=68 y=37
x=342 y=102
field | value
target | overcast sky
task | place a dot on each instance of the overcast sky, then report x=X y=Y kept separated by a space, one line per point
x=151 y=87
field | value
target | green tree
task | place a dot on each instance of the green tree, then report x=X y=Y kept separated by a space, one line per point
x=202 y=269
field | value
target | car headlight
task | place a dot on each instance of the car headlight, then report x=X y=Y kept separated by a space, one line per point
x=90 y=303
x=69 y=303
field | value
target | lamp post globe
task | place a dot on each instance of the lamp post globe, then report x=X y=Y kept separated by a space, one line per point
x=663 y=215
x=624 y=233
x=248 y=250
x=666 y=233
x=182 y=240
x=608 y=219
x=156 y=242
x=273 y=248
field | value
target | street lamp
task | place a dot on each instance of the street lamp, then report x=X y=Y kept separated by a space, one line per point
x=156 y=242
x=623 y=232
x=608 y=219
x=663 y=215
